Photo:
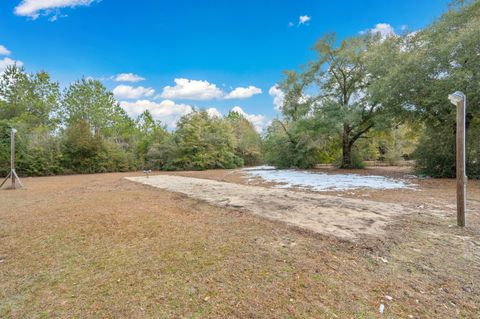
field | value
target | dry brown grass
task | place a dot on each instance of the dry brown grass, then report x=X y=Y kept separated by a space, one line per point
x=98 y=246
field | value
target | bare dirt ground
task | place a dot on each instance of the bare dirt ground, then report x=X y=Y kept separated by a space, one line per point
x=431 y=194
x=100 y=246
x=346 y=218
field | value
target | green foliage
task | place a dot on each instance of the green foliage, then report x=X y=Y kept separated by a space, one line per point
x=363 y=98
x=356 y=160
x=38 y=153
x=29 y=99
x=278 y=149
x=86 y=131
x=435 y=155
x=88 y=100
x=328 y=104
x=362 y=95
x=160 y=155
x=342 y=78
x=81 y=149
x=248 y=141
x=30 y=103
x=390 y=146
x=203 y=142
x=115 y=158
x=151 y=135
x=87 y=152
x=300 y=139
x=122 y=129
x=297 y=144
x=428 y=66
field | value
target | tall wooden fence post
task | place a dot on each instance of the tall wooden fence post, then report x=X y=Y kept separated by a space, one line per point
x=459 y=99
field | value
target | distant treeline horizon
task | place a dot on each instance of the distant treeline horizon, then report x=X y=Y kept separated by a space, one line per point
x=368 y=97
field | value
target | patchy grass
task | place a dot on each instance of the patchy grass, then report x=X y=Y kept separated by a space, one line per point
x=100 y=246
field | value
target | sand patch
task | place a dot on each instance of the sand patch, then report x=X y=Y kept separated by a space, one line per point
x=346 y=218
x=321 y=182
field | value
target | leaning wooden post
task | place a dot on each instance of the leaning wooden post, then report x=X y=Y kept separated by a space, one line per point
x=460 y=100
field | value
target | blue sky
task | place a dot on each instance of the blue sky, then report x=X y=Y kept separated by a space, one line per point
x=222 y=54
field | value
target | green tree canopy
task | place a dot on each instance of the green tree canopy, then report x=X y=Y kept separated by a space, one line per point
x=88 y=100
x=204 y=142
x=32 y=99
x=247 y=140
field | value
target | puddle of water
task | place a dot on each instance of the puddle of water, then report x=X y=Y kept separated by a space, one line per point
x=324 y=182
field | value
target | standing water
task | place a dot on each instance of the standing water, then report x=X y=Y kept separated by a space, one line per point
x=323 y=182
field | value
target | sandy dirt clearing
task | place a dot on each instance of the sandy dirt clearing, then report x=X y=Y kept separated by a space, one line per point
x=346 y=218
x=100 y=246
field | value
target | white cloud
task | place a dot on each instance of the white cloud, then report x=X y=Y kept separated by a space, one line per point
x=213 y=112
x=192 y=90
x=385 y=30
x=258 y=120
x=412 y=34
x=127 y=77
x=169 y=112
x=278 y=97
x=242 y=93
x=7 y=61
x=101 y=78
x=4 y=50
x=166 y=111
x=130 y=92
x=304 y=19
x=290 y=24
x=34 y=8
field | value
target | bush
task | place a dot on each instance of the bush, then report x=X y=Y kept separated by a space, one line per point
x=37 y=152
x=296 y=145
x=357 y=160
x=81 y=149
x=435 y=155
x=115 y=159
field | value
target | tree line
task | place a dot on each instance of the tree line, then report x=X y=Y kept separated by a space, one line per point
x=368 y=97
x=372 y=96
x=84 y=130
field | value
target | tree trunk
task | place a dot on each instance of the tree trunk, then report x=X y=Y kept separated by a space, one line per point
x=346 y=147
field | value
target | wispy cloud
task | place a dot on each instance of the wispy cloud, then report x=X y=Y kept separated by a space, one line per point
x=4 y=50
x=127 y=77
x=35 y=8
x=304 y=19
x=130 y=92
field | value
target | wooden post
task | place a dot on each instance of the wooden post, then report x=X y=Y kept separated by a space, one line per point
x=461 y=171
x=12 y=155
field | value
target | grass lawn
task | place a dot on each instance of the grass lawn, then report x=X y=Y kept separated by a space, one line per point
x=99 y=246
